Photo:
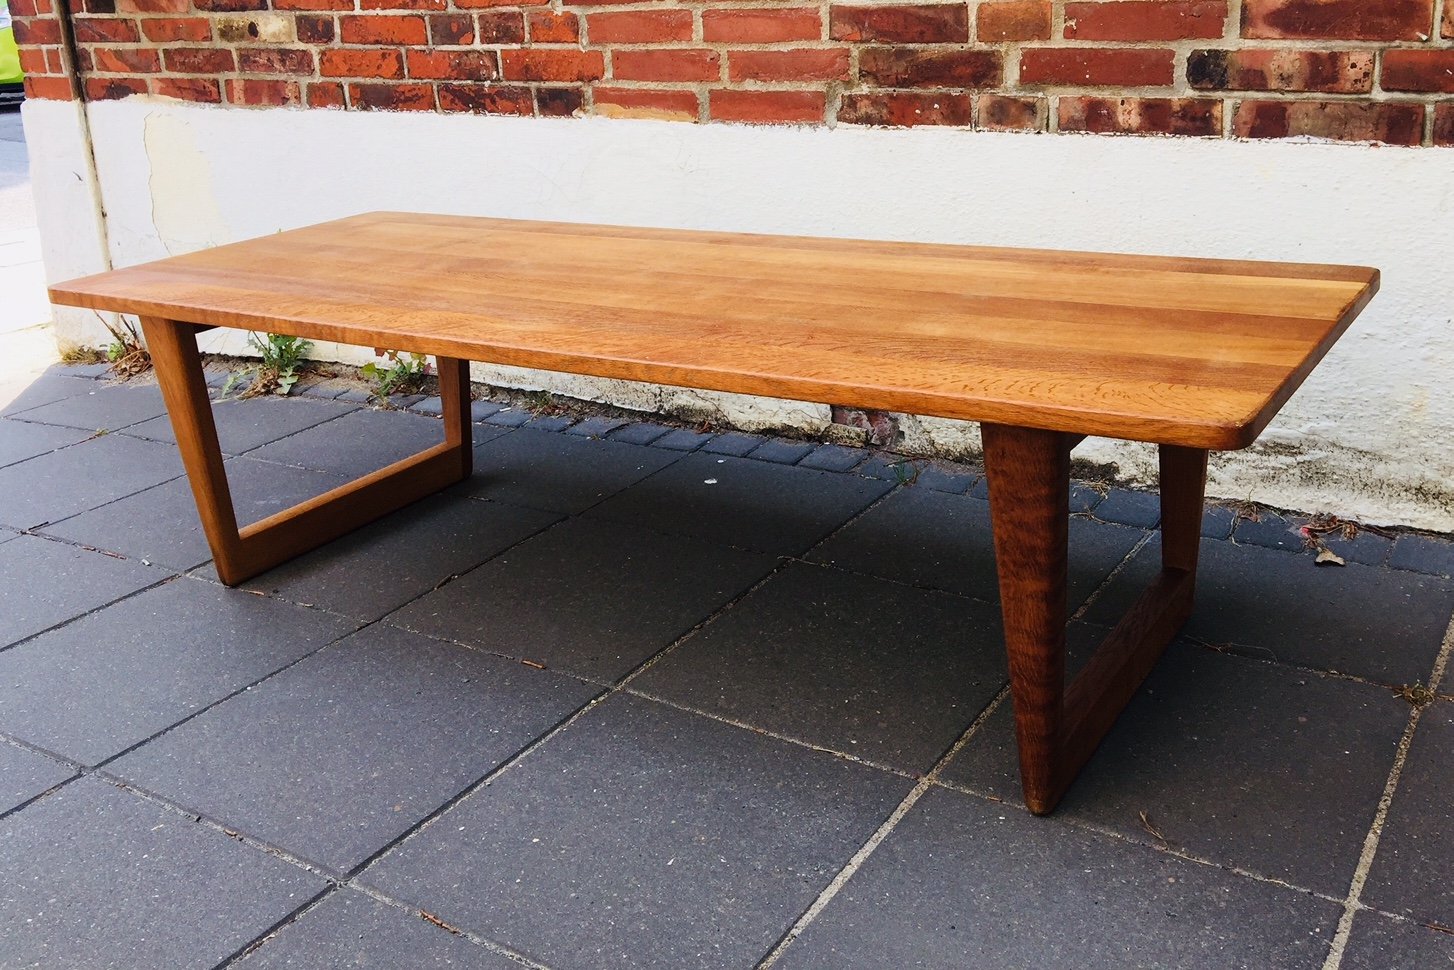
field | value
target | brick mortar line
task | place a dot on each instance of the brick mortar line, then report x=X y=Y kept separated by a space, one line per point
x=1354 y=901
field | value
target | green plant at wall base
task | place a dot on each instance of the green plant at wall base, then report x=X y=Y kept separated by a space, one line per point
x=401 y=374
x=283 y=359
x=125 y=352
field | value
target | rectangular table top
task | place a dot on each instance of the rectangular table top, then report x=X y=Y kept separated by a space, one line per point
x=1192 y=352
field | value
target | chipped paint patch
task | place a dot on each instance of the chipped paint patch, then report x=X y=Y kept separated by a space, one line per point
x=184 y=204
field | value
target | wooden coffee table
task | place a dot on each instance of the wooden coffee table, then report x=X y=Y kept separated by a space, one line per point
x=1042 y=347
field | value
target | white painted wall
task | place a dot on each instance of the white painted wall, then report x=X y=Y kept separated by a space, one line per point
x=1371 y=435
x=68 y=208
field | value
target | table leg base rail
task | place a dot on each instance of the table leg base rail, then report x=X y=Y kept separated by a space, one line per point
x=1059 y=728
x=240 y=554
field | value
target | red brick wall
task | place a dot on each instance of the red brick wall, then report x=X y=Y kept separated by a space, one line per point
x=1380 y=70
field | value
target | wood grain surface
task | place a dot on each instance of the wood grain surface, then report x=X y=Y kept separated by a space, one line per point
x=1199 y=353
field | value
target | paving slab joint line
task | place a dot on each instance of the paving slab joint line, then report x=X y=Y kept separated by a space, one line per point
x=292 y=434
x=1353 y=903
x=212 y=824
x=100 y=767
x=247 y=949
x=891 y=580
x=30 y=530
x=1171 y=850
x=1243 y=651
x=590 y=705
x=81 y=616
x=880 y=834
x=15 y=743
x=609 y=690
x=417 y=912
x=787 y=738
x=1120 y=567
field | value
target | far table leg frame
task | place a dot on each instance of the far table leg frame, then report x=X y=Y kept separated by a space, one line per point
x=240 y=554
x=1059 y=727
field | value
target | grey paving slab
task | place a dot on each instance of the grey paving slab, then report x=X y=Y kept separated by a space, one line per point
x=92 y=371
x=943 y=541
x=1423 y=554
x=96 y=877
x=736 y=443
x=1411 y=873
x=594 y=598
x=380 y=567
x=25 y=774
x=161 y=524
x=962 y=884
x=109 y=407
x=20 y=440
x=1084 y=498
x=1380 y=943
x=643 y=836
x=1139 y=509
x=942 y=479
x=43 y=583
x=1376 y=623
x=480 y=410
x=508 y=417
x=878 y=670
x=27 y=393
x=640 y=433
x=316 y=386
x=340 y=754
x=243 y=425
x=113 y=678
x=433 y=406
x=1217 y=522
x=1274 y=770
x=1365 y=547
x=1272 y=531
x=559 y=472
x=596 y=427
x=891 y=467
x=550 y=422
x=359 y=442
x=681 y=439
x=350 y=929
x=749 y=504
x=60 y=484
x=782 y=451
x=834 y=458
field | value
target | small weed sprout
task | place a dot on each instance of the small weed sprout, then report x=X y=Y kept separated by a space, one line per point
x=283 y=360
x=400 y=374
x=906 y=472
x=543 y=403
x=125 y=352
